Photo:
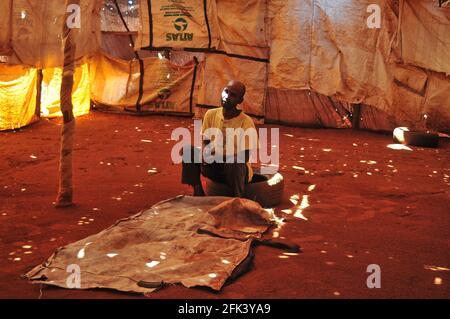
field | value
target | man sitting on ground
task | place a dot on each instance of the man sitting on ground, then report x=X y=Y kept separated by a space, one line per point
x=226 y=158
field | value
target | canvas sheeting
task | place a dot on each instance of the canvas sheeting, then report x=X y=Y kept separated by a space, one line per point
x=339 y=61
x=51 y=86
x=425 y=40
x=181 y=24
x=214 y=74
x=243 y=34
x=115 y=83
x=5 y=27
x=35 y=31
x=109 y=21
x=336 y=54
x=17 y=96
x=205 y=25
x=195 y=241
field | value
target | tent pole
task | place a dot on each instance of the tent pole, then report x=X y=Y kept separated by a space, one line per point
x=40 y=76
x=65 y=191
x=356 y=116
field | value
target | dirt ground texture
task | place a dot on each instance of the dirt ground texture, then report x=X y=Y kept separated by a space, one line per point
x=369 y=205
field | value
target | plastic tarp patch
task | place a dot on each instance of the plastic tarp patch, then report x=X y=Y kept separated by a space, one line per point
x=332 y=48
x=37 y=31
x=166 y=86
x=51 y=87
x=249 y=36
x=425 y=30
x=438 y=102
x=177 y=24
x=17 y=96
x=175 y=241
x=291 y=30
x=219 y=69
x=5 y=26
x=205 y=25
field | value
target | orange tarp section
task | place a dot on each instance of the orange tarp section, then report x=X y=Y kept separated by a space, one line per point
x=17 y=96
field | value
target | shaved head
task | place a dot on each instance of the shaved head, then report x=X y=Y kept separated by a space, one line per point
x=232 y=94
x=237 y=87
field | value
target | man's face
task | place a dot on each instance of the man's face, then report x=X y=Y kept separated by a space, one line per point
x=231 y=96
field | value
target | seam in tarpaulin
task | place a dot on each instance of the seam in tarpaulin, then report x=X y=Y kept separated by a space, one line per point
x=150 y=23
x=205 y=11
x=211 y=51
x=191 y=97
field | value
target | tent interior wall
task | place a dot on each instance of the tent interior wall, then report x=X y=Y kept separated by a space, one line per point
x=305 y=62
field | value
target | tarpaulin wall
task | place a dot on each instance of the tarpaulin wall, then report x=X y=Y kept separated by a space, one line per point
x=36 y=32
x=422 y=65
x=166 y=88
x=51 y=87
x=327 y=47
x=229 y=49
x=17 y=96
x=323 y=57
x=30 y=36
x=5 y=26
x=424 y=34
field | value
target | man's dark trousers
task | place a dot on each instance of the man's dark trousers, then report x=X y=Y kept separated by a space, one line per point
x=235 y=175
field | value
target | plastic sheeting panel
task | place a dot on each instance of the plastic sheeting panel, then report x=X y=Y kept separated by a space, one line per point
x=161 y=245
x=166 y=88
x=17 y=96
x=5 y=26
x=291 y=29
x=110 y=17
x=180 y=24
x=332 y=49
x=37 y=27
x=219 y=69
x=118 y=45
x=51 y=88
x=306 y=108
x=249 y=36
x=437 y=103
x=206 y=25
x=425 y=39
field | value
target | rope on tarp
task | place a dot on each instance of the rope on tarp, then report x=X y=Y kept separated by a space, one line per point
x=136 y=54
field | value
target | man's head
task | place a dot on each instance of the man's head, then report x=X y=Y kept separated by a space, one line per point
x=232 y=94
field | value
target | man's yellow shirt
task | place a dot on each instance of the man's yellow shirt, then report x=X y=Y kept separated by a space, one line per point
x=214 y=119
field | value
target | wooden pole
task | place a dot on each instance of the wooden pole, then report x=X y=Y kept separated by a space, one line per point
x=40 y=76
x=356 y=116
x=65 y=191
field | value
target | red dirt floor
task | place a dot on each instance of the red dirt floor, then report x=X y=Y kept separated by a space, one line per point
x=393 y=211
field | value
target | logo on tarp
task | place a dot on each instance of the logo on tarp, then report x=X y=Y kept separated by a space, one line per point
x=180 y=24
x=164 y=94
x=162 y=103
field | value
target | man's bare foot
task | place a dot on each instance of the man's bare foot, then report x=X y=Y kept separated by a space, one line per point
x=198 y=190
